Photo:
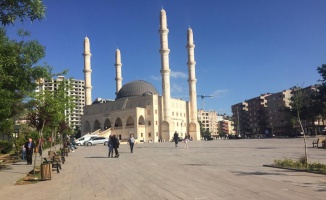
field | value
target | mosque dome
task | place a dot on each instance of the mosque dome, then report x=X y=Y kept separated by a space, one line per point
x=136 y=88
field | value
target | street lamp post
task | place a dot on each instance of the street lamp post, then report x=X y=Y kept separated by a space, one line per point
x=239 y=135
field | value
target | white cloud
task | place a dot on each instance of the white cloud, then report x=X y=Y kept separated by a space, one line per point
x=156 y=78
x=219 y=93
x=175 y=88
x=178 y=75
x=172 y=75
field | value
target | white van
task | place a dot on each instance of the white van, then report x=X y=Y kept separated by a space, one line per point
x=81 y=140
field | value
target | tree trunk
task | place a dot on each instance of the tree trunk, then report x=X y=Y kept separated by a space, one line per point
x=305 y=143
x=39 y=138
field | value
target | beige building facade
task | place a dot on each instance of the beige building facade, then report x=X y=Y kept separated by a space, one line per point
x=209 y=120
x=77 y=94
x=138 y=108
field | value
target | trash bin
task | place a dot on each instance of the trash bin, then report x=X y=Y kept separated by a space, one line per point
x=46 y=170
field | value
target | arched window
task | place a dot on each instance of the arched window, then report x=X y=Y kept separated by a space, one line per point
x=107 y=124
x=130 y=122
x=118 y=123
x=97 y=125
x=141 y=120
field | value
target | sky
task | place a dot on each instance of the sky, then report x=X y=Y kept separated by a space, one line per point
x=244 y=48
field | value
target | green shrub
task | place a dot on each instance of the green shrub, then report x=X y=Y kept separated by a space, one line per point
x=5 y=146
x=300 y=164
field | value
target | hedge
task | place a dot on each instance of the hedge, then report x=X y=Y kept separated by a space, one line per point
x=5 y=146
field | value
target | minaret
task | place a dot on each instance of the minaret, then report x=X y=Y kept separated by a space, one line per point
x=192 y=76
x=165 y=69
x=87 y=72
x=118 y=77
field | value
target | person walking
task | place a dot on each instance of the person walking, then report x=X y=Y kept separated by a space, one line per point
x=186 y=140
x=115 y=145
x=23 y=152
x=110 y=145
x=29 y=146
x=175 y=138
x=131 y=142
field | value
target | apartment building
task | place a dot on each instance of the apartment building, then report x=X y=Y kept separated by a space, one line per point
x=267 y=114
x=257 y=114
x=226 y=126
x=278 y=120
x=77 y=93
x=209 y=120
x=240 y=118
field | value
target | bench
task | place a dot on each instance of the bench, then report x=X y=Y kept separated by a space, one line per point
x=55 y=162
x=318 y=142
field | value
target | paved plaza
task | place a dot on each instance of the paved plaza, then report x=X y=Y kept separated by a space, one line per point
x=219 y=169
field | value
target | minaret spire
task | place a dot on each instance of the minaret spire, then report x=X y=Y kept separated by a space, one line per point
x=192 y=76
x=87 y=71
x=118 y=65
x=165 y=69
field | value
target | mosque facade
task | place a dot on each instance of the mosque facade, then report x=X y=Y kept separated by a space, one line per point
x=138 y=108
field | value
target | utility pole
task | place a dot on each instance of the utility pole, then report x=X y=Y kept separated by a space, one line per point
x=239 y=135
x=202 y=99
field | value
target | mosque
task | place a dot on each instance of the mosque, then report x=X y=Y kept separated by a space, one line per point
x=138 y=108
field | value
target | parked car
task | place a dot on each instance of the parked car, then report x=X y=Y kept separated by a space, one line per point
x=81 y=140
x=96 y=140
x=208 y=138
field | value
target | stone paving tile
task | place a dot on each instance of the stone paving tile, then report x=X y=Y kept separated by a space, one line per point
x=227 y=169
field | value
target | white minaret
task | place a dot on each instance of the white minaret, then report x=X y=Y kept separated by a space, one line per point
x=87 y=72
x=165 y=69
x=192 y=76
x=118 y=76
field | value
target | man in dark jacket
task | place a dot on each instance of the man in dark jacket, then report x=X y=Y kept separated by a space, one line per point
x=29 y=151
x=175 y=138
x=115 y=145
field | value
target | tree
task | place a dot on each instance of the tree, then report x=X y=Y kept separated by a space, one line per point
x=11 y=10
x=202 y=129
x=322 y=89
x=17 y=60
x=48 y=108
x=298 y=104
x=18 y=74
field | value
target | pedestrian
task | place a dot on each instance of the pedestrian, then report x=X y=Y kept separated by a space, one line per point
x=175 y=138
x=72 y=144
x=29 y=145
x=23 y=149
x=110 y=145
x=115 y=145
x=131 y=142
x=186 y=140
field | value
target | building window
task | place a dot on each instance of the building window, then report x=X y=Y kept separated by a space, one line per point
x=141 y=135
x=155 y=122
x=149 y=123
x=149 y=134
